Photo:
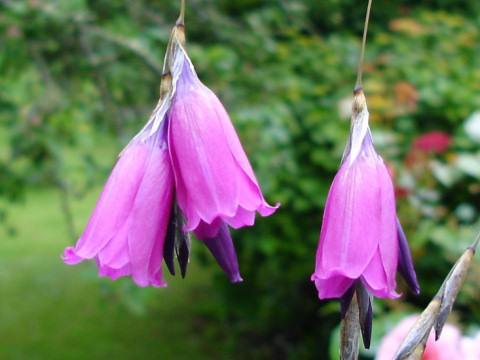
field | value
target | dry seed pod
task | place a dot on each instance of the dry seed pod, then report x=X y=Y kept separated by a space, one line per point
x=435 y=315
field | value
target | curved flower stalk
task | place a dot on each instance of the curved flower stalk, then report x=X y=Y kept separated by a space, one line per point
x=185 y=171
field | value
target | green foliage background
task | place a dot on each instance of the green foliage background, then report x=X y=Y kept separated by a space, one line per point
x=79 y=76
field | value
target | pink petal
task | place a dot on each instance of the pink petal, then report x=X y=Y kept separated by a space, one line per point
x=333 y=287
x=115 y=202
x=242 y=218
x=114 y=274
x=149 y=218
x=374 y=278
x=201 y=155
x=70 y=256
x=127 y=229
x=115 y=252
x=388 y=242
x=204 y=230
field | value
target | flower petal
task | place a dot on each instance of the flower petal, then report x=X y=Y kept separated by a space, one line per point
x=375 y=279
x=388 y=242
x=332 y=287
x=149 y=219
x=127 y=229
x=204 y=230
x=112 y=210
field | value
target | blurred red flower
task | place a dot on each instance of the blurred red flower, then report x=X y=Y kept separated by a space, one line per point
x=432 y=142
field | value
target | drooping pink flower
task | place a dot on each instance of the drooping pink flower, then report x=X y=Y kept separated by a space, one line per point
x=359 y=231
x=214 y=180
x=448 y=347
x=185 y=171
x=126 y=231
x=361 y=239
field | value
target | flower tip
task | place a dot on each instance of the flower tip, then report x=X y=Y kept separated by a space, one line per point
x=141 y=282
x=70 y=256
x=223 y=250
x=405 y=263
x=160 y=284
x=268 y=210
x=235 y=278
x=393 y=295
x=416 y=289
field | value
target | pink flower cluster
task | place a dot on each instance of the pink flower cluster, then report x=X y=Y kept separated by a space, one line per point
x=451 y=345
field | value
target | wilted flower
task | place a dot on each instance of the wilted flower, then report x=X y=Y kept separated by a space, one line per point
x=361 y=238
x=185 y=171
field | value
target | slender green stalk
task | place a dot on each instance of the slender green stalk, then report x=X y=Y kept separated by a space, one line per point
x=358 y=84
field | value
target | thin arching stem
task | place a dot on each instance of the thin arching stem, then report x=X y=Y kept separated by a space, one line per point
x=358 y=85
x=181 y=18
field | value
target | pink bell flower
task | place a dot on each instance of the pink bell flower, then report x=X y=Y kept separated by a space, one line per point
x=361 y=239
x=214 y=180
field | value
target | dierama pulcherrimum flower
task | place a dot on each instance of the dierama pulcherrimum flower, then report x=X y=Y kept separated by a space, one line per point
x=361 y=238
x=214 y=180
x=362 y=243
x=185 y=171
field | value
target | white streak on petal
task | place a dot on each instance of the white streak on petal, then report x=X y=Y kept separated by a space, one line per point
x=357 y=134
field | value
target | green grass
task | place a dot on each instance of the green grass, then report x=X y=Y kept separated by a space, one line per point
x=49 y=310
